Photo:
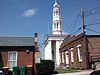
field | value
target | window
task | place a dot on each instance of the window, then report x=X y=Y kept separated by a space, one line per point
x=56 y=12
x=53 y=54
x=54 y=25
x=72 y=54
x=67 y=61
x=12 y=59
x=79 y=53
x=57 y=25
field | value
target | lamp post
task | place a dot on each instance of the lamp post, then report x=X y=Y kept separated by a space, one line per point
x=35 y=46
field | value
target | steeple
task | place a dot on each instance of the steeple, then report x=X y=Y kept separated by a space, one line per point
x=56 y=26
x=55 y=4
x=55 y=1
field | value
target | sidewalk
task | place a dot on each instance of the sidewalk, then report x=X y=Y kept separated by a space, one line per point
x=85 y=72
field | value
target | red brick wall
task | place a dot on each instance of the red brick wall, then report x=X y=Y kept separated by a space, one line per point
x=93 y=47
x=69 y=55
x=5 y=58
x=75 y=57
x=76 y=63
x=24 y=58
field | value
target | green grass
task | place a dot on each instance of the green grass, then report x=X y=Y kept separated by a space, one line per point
x=61 y=70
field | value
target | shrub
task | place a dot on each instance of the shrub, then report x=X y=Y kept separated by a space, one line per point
x=45 y=67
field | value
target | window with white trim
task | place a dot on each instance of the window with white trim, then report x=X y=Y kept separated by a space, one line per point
x=12 y=59
x=72 y=54
x=79 y=53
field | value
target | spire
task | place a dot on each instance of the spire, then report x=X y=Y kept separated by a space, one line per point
x=55 y=1
x=56 y=4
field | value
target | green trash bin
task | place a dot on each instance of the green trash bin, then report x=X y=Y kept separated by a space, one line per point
x=22 y=70
x=15 y=70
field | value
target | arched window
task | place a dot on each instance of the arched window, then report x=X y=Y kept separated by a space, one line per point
x=54 y=25
x=57 y=25
x=72 y=54
x=79 y=50
x=56 y=12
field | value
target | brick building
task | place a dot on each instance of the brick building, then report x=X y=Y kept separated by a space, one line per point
x=80 y=52
x=16 y=51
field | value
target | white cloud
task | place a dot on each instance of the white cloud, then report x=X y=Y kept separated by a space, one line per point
x=29 y=13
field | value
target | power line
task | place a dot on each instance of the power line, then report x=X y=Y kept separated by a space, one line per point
x=92 y=24
x=77 y=30
x=92 y=11
x=75 y=22
x=87 y=13
x=93 y=30
x=95 y=20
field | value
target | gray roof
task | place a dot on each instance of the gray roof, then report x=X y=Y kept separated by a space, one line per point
x=16 y=41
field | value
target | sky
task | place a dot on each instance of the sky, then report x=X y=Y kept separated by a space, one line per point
x=25 y=17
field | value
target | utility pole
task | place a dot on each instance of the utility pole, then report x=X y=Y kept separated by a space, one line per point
x=85 y=39
x=35 y=45
x=83 y=26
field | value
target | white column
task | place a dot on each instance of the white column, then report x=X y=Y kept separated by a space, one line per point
x=48 y=51
x=57 y=53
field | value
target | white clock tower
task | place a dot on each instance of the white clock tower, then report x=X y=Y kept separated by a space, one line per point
x=53 y=41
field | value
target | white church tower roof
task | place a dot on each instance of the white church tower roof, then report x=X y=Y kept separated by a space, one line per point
x=55 y=4
x=56 y=22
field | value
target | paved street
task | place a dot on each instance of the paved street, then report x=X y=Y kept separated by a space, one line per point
x=87 y=72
